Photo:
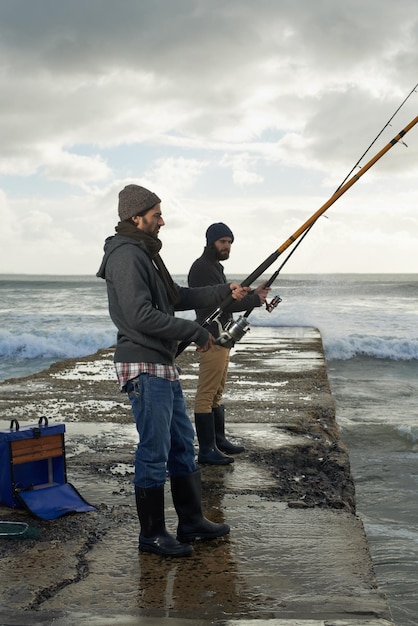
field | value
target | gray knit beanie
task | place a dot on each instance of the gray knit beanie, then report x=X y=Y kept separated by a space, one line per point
x=134 y=200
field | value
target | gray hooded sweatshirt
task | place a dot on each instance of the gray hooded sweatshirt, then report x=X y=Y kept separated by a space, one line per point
x=148 y=331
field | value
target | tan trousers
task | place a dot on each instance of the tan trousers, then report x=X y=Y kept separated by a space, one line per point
x=213 y=370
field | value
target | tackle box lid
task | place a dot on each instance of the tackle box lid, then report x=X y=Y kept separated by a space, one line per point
x=30 y=431
x=54 y=501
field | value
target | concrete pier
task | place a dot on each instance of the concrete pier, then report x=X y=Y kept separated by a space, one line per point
x=297 y=554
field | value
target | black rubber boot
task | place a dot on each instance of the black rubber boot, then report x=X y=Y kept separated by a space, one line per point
x=209 y=454
x=187 y=499
x=221 y=441
x=154 y=536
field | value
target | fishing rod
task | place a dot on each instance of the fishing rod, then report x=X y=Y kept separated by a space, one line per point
x=413 y=90
x=237 y=329
x=270 y=306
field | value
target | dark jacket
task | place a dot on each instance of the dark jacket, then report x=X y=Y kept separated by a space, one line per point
x=207 y=270
x=139 y=307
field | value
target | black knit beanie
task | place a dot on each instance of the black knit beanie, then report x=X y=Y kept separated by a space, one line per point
x=217 y=231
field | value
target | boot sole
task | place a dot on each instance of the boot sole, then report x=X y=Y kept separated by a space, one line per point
x=203 y=536
x=179 y=553
x=219 y=462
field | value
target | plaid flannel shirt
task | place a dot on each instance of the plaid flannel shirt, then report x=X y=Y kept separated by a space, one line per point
x=128 y=371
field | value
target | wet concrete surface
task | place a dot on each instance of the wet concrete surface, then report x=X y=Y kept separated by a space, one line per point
x=297 y=554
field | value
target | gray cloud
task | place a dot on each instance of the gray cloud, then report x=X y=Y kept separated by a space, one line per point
x=262 y=92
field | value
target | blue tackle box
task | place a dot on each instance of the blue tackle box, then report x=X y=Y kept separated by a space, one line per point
x=33 y=471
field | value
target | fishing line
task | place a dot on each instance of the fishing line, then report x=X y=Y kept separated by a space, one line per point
x=357 y=164
x=377 y=136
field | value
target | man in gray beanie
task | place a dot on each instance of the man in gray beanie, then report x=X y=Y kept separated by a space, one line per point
x=142 y=300
x=209 y=416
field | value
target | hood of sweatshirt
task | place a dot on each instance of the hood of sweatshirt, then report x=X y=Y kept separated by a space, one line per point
x=111 y=244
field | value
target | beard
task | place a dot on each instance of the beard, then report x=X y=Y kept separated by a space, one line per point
x=150 y=228
x=222 y=255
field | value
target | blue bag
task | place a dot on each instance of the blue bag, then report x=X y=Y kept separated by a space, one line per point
x=33 y=471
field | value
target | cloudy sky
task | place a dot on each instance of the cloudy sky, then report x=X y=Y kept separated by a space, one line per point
x=242 y=111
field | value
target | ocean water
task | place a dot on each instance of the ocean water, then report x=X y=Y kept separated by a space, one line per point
x=369 y=328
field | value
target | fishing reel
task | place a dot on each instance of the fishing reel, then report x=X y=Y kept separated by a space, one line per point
x=270 y=306
x=233 y=332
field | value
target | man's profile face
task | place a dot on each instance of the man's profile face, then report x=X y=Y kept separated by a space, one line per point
x=223 y=248
x=151 y=221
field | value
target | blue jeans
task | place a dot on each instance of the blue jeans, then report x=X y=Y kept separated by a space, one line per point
x=165 y=431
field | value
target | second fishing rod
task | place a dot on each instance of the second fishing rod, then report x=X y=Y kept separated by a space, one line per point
x=238 y=328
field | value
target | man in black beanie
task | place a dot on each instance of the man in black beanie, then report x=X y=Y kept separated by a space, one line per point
x=214 y=447
x=142 y=301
